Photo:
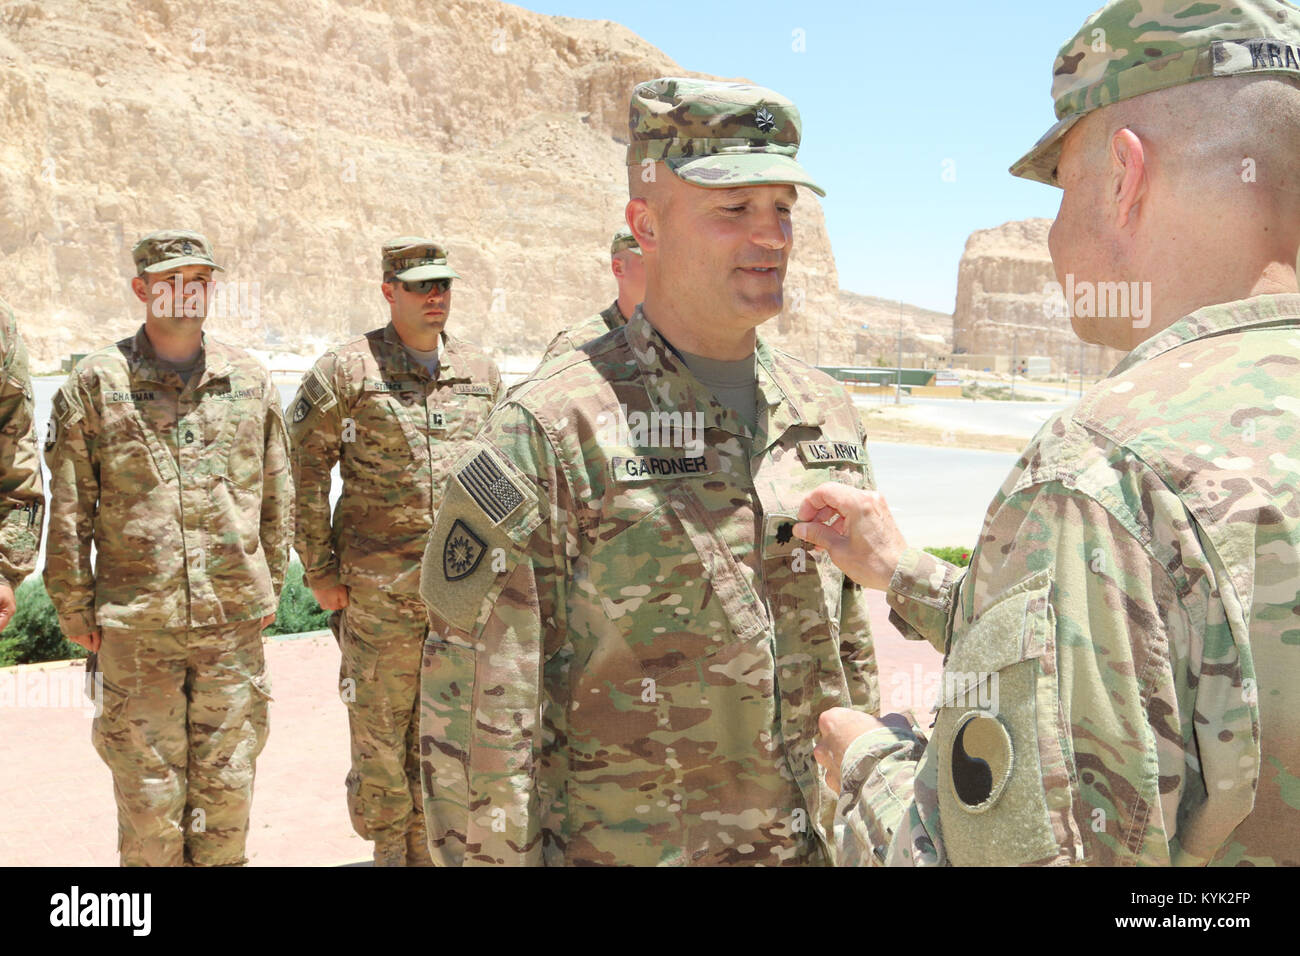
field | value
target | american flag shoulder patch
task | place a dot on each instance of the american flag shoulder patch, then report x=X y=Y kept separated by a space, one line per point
x=490 y=487
x=316 y=391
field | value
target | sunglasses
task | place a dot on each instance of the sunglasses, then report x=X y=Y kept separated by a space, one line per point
x=425 y=286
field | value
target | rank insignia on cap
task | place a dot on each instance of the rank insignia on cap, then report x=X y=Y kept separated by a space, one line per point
x=301 y=410
x=764 y=120
x=461 y=552
x=186 y=248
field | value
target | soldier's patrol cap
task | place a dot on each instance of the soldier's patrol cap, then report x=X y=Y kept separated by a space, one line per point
x=624 y=241
x=1131 y=47
x=715 y=134
x=171 y=249
x=411 y=258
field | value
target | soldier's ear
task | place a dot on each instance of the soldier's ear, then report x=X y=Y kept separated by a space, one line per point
x=1129 y=175
x=616 y=267
x=641 y=221
x=138 y=287
x=387 y=289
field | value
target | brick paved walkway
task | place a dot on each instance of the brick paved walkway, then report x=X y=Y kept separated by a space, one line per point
x=56 y=795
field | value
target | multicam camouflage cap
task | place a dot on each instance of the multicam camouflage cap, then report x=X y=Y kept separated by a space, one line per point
x=171 y=249
x=411 y=258
x=1131 y=47
x=717 y=134
x=624 y=240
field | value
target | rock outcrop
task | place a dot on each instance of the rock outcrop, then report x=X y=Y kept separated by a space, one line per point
x=1005 y=300
x=298 y=135
x=927 y=335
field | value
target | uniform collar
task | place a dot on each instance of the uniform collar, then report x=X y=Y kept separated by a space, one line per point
x=447 y=352
x=1256 y=312
x=673 y=389
x=143 y=362
x=613 y=316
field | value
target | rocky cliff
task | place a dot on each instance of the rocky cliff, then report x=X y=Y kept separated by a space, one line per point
x=298 y=135
x=874 y=324
x=1003 y=301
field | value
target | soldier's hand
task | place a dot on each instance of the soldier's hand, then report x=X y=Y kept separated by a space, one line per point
x=333 y=598
x=268 y=621
x=89 y=641
x=839 y=727
x=8 y=606
x=856 y=529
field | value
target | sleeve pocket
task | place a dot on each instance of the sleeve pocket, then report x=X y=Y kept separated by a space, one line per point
x=1006 y=776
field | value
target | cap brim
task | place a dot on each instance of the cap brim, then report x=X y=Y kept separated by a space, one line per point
x=168 y=264
x=416 y=273
x=729 y=170
x=1039 y=164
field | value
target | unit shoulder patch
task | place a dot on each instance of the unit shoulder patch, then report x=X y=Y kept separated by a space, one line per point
x=462 y=550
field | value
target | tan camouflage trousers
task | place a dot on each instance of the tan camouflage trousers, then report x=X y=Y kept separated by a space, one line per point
x=382 y=638
x=183 y=718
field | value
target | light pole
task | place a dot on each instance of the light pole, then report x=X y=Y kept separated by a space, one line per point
x=898 y=384
x=1014 y=362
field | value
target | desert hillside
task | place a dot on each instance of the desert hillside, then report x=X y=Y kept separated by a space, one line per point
x=299 y=134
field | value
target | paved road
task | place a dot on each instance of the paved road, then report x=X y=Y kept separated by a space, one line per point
x=938 y=496
x=1022 y=419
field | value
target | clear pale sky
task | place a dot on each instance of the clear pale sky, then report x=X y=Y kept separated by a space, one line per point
x=888 y=92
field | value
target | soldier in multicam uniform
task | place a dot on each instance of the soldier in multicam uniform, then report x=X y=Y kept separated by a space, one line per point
x=22 y=494
x=630 y=650
x=629 y=272
x=1120 y=683
x=168 y=452
x=394 y=408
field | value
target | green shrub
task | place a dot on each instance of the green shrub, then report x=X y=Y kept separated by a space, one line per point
x=33 y=635
x=298 y=608
x=957 y=556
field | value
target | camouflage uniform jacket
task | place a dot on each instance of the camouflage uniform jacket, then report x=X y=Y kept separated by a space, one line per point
x=183 y=489
x=1129 y=621
x=592 y=327
x=631 y=650
x=395 y=433
x=22 y=494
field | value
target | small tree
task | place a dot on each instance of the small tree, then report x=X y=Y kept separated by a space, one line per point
x=33 y=635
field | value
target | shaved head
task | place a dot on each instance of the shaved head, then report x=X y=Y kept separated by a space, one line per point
x=1215 y=135
x=1191 y=193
